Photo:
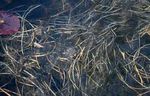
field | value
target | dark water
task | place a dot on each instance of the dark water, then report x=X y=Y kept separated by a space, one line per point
x=45 y=8
x=8 y=82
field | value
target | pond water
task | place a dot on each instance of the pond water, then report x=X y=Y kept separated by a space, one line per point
x=62 y=50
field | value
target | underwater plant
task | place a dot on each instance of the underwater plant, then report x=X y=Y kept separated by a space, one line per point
x=9 y=23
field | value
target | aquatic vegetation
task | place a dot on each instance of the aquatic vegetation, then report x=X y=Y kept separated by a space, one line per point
x=85 y=48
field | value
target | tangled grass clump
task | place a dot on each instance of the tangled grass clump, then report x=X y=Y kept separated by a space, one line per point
x=89 y=48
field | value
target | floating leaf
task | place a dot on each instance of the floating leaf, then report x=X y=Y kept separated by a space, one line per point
x=9 y=23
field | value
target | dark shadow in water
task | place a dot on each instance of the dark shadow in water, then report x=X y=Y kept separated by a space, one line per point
x=8 y=82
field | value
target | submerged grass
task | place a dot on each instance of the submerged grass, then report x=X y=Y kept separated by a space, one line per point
x=89 y=48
